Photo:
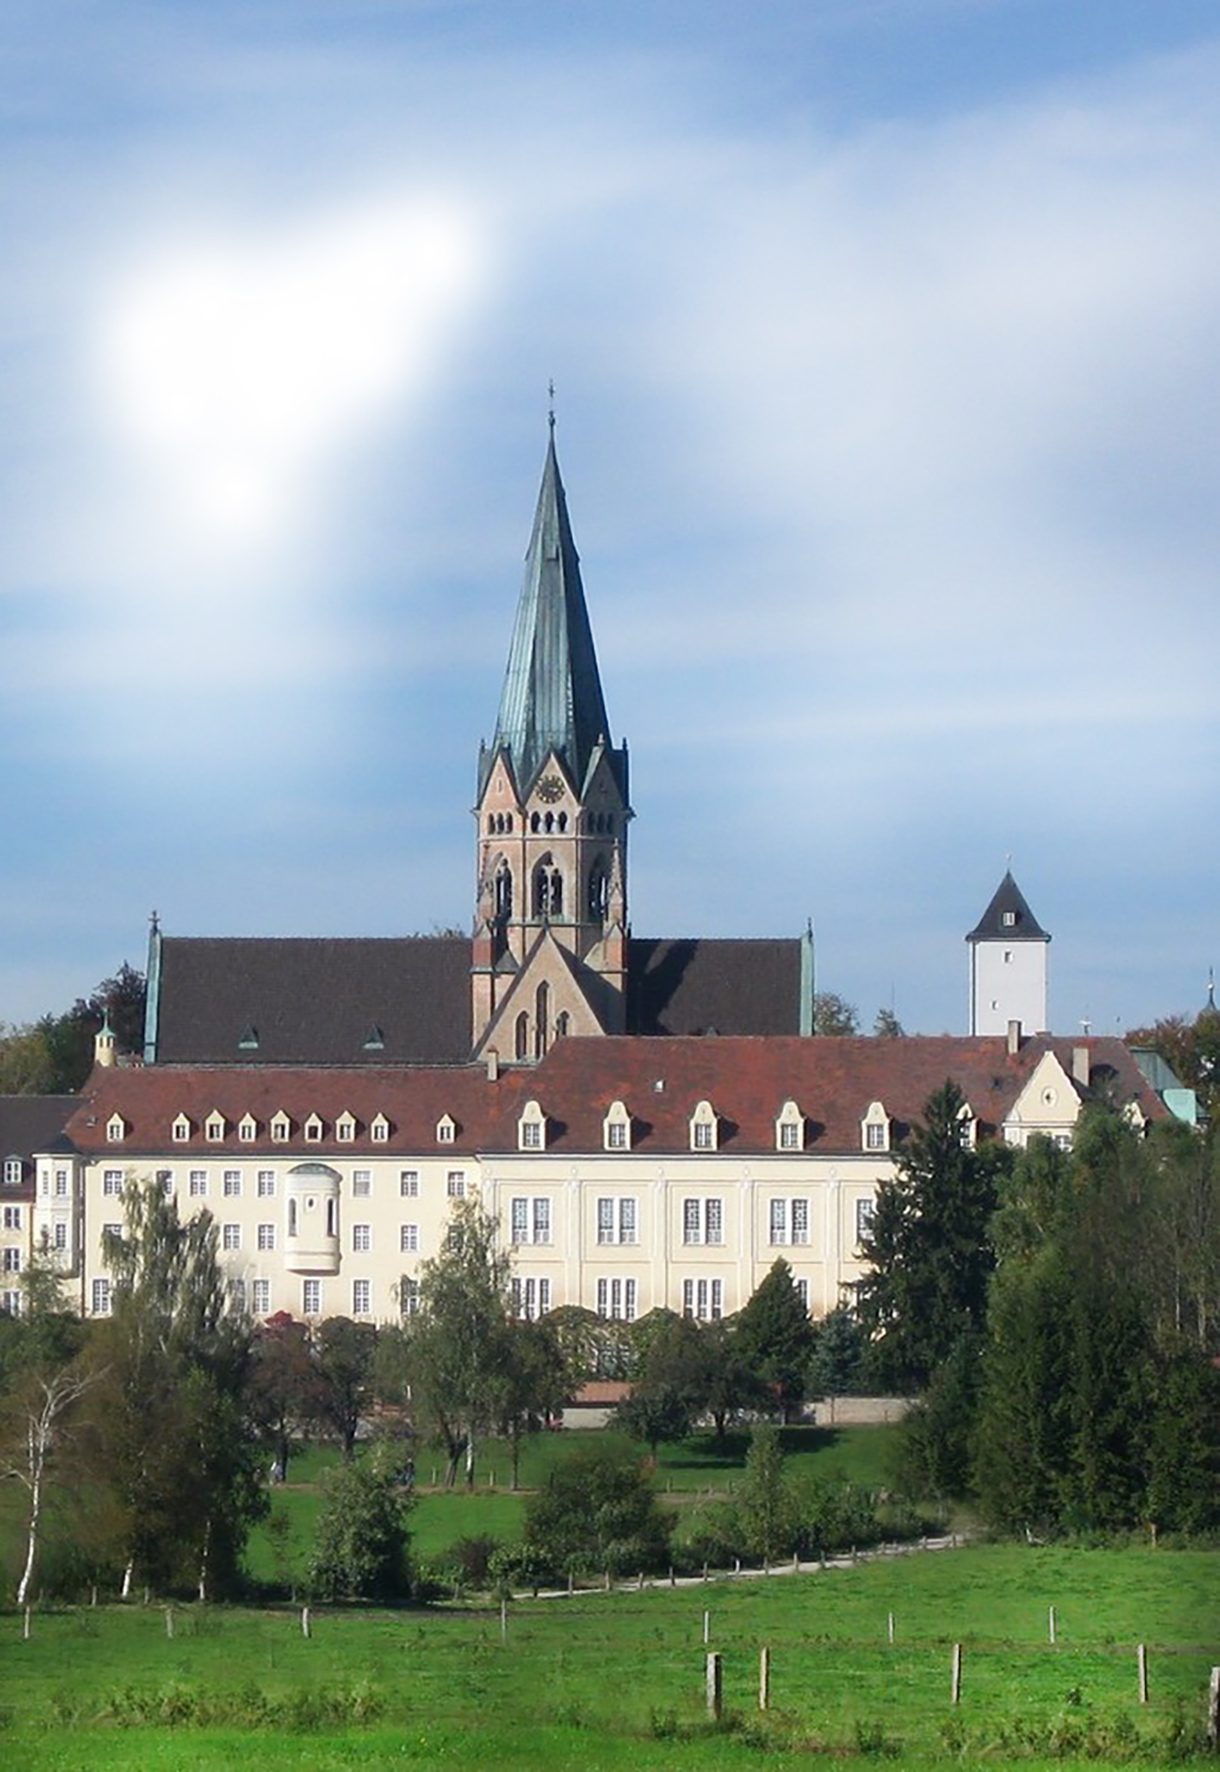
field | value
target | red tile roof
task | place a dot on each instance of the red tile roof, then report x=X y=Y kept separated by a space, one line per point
x=747 y=1080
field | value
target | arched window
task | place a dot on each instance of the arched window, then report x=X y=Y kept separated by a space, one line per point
x=535 y=822
x=542 y=1019
x=548 y=889
x=491 y=823
x=548 y=823
x=561 y=822
x=598 y=892
x=562 y=1024
x=504 y=893
x=522 y=1039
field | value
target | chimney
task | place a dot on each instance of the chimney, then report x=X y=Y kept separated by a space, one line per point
x=1014 y=1038
x=493 y=1065
x=1080 y=1066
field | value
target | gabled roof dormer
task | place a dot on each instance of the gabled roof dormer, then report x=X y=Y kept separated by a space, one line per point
x=345 y=1127
x=313 y=1129
x=281 y=1127
x=446 y=1129
x=531 y=1128
x=180 y=1128
x=214 y=1127
x=379 y=1129
x=247 y=1129
x=116 y=1129
x=704 y=1128
x=790 y=1128
x=876 y=1128
x=967 y=1126
x=616 y=1128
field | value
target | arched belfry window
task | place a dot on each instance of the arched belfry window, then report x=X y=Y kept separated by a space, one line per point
x=599 y=888
x=504 y=893
x=542 y=1019
x=521 y=1046
x=548 y=889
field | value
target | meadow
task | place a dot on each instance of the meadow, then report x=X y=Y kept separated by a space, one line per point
x=607 y=1680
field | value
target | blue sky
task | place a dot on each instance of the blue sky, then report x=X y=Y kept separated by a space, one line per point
x=886 y=337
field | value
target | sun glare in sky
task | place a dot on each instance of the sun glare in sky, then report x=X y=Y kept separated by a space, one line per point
x=233 y=365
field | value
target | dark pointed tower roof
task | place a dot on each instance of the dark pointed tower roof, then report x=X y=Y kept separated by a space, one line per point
x=1008 y=917
x=552 y=697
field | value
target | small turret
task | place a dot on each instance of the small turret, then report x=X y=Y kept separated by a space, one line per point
x=104 y=1045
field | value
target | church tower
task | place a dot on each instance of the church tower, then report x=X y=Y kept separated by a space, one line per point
x=1008 y=954
x=549 y=953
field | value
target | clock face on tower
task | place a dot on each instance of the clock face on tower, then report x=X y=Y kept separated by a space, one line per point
x=550 y=789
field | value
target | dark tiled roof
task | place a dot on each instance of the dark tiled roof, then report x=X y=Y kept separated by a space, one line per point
x=1008 y=900
x=314 y=1000
x=31 y=1123
x=728 y=987
x=747 y=1082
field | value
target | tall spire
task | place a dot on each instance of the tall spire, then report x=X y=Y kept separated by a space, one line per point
x=552 y=697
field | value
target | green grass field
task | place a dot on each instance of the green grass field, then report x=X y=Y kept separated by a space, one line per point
x=608 y=1680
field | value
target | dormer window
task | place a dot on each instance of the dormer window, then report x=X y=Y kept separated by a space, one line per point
x=1008 y=919
x=967 y=1126
x=116 y=1129
x=531 y=1128
x=12 y=1171
x=281 y=1127
x=875 y=1128
x=704 y=1128
x=446 y=1129
x=249 y=1040
x=345 y=1128
x=374 y=1040
x=790 y=1128
x=180 y=1131
x=247 y=1129
x=616 y=1128
x=313 y=1129
x=214 y=1127
x=379 y=1129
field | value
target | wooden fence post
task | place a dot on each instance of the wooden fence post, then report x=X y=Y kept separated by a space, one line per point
x=504 y=1618
x=607 y=1581
x=955 y=1683
x=169 y=1623
x=25 y=1625
x=304 y=1621
x=889 y=1628
x=1213 y=1710
x=1050 y=1625
x=673 y=1579
x=707 y=1628
x=764 y=1678
x=1141 y=1662
x=93 y=1595
x=714 y=1689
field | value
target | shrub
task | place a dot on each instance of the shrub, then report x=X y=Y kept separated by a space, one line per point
x=596 y=1512
x=362 y=1546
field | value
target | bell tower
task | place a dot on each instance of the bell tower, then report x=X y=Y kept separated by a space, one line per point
x=549 y=952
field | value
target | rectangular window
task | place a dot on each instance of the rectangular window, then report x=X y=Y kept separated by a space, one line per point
x=408 y=1239
x=362 y=1183
x=802 y=1292
x=260 y=1298
x=789 y=1136
x=703 y=1136
x=456 y=1185
x=100 y=1298
x=279 y=1131
x=59 y=1239
x=266 y=1236
x=362 y=1297
x=112 y=1182
x=311 y=1298
x=265 y=1187
x=874 y=1136
x=12 y=1218
x=246 y=1131
x=692 y=1221
x=626 y=1221
x=12 y=1171
x=531 y=1135
x=779 y=1221
x=232 y=1183
x=616 y=1135
x=197 y=1183
x=12 y=1260
x=114 y=1131
x=519 y=1220
x=408 y=1183
x=230 y=1236
x=712 y=1222
x=362 y=1238
x=381 y=1131
x=703 y=1299
x=165 y=1181
x=531 y=1297
x=605 y=1221
x=11 y=1302
x=182 y=1131
x=789 y=1221
x=408 y=1296
x=864 y=1219
x=237 y=1292
x=800 y=1221
x=61 y=1184
x=345 y=1131
x=542 y=1221
x=616 y=1300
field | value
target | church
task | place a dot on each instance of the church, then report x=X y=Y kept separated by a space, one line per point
x=652 y=1121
